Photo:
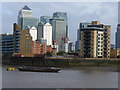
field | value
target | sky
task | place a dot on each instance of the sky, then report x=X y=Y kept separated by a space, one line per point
x=77 y=12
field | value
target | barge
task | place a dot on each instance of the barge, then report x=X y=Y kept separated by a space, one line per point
x=39 y=69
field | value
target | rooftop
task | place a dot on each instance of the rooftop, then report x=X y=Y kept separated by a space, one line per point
x=26 y=8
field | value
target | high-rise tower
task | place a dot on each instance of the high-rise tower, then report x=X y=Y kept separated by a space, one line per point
x=25 y=18
x=118 y=37
x=59 y=27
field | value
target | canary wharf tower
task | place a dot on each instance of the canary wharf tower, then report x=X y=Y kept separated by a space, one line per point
x=25 y=18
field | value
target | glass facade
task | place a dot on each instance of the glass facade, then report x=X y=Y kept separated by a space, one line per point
x=117 y=42
x=6 y=44
x=59 y=30
x=59 y=27
x=45 y=19
x=29 y=22
x=60 y=15
x=25 y=18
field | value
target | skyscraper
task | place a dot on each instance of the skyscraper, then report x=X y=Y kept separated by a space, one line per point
x=95 y=41
x=59 y=27
x=25 y=18
x=45 y=19
x=45 y=32
x=117 y=41
x=118 y=37
x=62 y=15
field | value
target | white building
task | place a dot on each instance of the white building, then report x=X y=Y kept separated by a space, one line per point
x=45 y=32
x=55 y=45
x=64 y=46
x=33 y=33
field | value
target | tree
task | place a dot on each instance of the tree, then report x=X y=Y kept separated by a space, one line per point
x=61 y=53
x=78 y=50
x=49 y=54
x=71 y=51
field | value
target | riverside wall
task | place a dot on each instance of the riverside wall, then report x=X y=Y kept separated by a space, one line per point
x=62 y=62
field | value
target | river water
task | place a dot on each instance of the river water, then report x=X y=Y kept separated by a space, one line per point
x=75 y=77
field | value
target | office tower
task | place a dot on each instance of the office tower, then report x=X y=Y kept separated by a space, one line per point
x=45 y=32
x=64 y=44
x=72 y=47
x=95 y=41
x=62 y=15
x=25 y=18
x=45 y=19
x=118 y=37
x=77 y=46
x=6 y=44
x=60 y=27
x=119 y=12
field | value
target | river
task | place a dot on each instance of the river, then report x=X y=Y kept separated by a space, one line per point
x=75 y=77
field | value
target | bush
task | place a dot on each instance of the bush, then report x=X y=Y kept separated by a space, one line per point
x=61 y=53
x=49 y=54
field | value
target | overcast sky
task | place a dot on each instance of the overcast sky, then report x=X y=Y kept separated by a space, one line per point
x=105 y=12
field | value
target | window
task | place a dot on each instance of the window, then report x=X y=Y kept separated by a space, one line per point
x=26 y=44
x=26 y=41
x=26 y=47
x=26 y=50
x=27 y=35
x=27 y=38
x=98 y=34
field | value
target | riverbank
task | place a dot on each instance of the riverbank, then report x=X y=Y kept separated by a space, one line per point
x=62 y=62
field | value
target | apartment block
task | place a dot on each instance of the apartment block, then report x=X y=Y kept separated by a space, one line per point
x=95 y=41
x=25 y=42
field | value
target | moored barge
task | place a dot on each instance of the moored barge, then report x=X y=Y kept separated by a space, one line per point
x=39 y=69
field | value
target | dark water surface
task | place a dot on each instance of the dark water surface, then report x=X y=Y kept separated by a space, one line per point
x=77 y=77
